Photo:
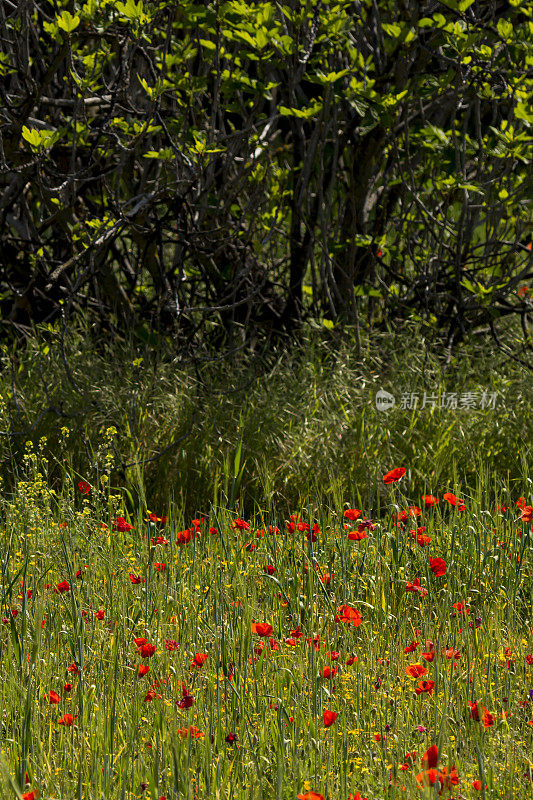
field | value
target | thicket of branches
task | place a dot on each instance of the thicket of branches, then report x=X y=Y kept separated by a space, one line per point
x=222 y=170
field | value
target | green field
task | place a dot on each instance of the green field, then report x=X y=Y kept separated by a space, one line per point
x=202 y=655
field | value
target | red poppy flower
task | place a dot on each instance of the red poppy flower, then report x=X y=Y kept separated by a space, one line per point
x=351 y=660
x=416 y=670
x=414 y=511
x=146 y=650
x=159 y=540
x=67 y=687
x=187 y=701
x=411 y=647
x=262 y=628
x=184 y=537
x=356 y=536
x=62 y=587
x=100 y=614
x=67 y=720
x=488 y=718
x=448 y=778
x=352 y=514
x=160 y=567
x=311 y=796
x=461 y=608
x=241 y=524
x=269 y=569
x=428 y=777
x=121 y=525
x=193 y=732
x=171 y=644
x=415 y=586
x=429 y=500
x=73 y=668
x=423 y=540
x=425 y=687
x=451 y=653
x=527 y=514
x=438 y=566
x=329 y=672
x=329 y=718
x=428 y=655
x=54 y=697
x=348 y=614
x=84 y=487
x=199 y=659
x=454 y=501
x=143 y=670
x=430 y=758
x=150 y=695
x=394 y=475
x=136 y=578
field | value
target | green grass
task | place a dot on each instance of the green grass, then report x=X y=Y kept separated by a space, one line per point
x=301 y=436
x=263 y=431
x=119 y=741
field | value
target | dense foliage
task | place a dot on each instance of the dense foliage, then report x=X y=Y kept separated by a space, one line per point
x=225 y=169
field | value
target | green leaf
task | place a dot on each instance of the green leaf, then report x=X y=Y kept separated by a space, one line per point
x=262 y=38
x=306 y=113
x=505 y=28
x=133 y=10
x=32 y=136
x=522 y=112
x=67 y=22
x=366 y=291
x=392 y=29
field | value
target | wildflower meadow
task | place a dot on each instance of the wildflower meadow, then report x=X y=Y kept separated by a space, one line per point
x=340 y=652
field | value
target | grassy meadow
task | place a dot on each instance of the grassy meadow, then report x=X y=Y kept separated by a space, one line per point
x=230 y=583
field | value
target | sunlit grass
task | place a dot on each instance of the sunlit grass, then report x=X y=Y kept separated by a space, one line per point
x=79 y=587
